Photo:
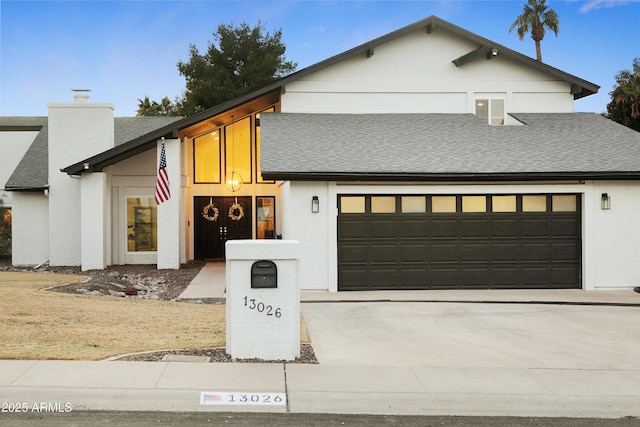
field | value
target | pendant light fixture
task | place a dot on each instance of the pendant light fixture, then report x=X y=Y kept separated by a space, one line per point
x=233 y=180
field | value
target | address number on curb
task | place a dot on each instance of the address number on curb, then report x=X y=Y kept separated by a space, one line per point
x=239 y=398
x=260 y=307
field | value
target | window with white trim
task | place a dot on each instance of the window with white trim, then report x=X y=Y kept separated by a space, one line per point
x=492 y=110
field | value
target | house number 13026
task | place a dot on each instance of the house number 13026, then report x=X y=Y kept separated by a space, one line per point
x=261 y=307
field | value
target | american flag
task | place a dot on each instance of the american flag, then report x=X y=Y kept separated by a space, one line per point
x=162 y=183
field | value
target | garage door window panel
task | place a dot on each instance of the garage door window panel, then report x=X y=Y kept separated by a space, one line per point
x=352 y=205
x=443 y=204
x=534 y=203
x=563 y=203
x=503 y=203
x=474 y=204
x=414 y=204
x=383 y=204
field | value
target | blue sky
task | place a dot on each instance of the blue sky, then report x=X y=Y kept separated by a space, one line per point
x=124 y=50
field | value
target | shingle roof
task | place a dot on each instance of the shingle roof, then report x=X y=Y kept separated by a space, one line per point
x=451 y=146
x=579 y=87
x=32 y=172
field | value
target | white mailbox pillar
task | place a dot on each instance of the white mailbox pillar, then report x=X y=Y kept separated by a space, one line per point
x=263 y=321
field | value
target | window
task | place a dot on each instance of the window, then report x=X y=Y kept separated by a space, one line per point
x=352 y=204
x=443 y=204
x=534 y=203
x=266 y=217
x=503 y=203
x=206 y=153
x=562 y=203
x=383 y=204
x=491 y=110
x=414 y=204
x=142 y=224
x=238 y=149
x=474 y=203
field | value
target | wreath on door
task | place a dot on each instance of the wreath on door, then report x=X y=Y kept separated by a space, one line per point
x=205 y=212
x=236 y=212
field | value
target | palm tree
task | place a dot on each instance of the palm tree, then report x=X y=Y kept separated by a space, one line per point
x=536 y=16
x=630 y=92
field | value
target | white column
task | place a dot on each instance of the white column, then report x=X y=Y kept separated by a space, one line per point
x=169 y=212
x=93 y=220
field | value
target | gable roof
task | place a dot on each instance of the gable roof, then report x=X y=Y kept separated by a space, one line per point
x=455 y=147
x=32 y=173
x=579 y=87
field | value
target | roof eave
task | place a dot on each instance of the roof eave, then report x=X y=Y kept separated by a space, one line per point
x=452 y=177
x=114 y=155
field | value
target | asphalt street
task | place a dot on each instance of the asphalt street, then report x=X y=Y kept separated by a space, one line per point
x=145 y=419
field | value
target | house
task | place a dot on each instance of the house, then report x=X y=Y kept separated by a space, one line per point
x=429 y=158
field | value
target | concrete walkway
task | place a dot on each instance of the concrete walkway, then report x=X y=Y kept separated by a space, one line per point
x=402 y=356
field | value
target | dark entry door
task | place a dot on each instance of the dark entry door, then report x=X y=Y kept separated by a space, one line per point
x=218 y=219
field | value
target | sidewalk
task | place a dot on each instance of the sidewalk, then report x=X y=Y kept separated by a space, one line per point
x=355 y=379
x=176 y=386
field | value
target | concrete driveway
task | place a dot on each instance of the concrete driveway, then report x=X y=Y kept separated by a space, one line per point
x=476 y=334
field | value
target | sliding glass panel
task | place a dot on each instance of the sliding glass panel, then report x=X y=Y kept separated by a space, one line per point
x=497 y=112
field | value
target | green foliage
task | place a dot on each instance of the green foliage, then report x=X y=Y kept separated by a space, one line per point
x=535 y=19
x=239 y=60
x=162 y=108
x=5 y=230
x=624 y=106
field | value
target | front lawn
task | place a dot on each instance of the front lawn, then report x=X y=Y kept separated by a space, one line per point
x=36 y=324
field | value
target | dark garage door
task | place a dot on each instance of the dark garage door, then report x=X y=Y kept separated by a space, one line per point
x=459 y=242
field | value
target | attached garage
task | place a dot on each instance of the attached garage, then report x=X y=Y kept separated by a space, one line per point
x=521 y=241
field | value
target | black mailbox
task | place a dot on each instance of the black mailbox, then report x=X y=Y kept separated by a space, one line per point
x=264 y=274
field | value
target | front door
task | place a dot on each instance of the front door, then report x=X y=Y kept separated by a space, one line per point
x=218 y=219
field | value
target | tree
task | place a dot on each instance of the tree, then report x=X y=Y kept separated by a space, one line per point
x=163 y=108
x=239 y=60
x=5 y=229
x=536 y=17
x=624 y=106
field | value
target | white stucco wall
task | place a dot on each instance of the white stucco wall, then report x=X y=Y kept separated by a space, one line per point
x=610 y=239
x=30 y=228
x=414 y=74
x=615 y=236
x=13 y=146
x=95 y=222
x=76 y=131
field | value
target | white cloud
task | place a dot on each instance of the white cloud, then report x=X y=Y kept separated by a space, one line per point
x=598 y=4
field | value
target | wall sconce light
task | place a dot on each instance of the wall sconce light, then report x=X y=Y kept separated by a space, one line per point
x=85 y=166
x=494 y=52
x=315 y=204
x=605 y=202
